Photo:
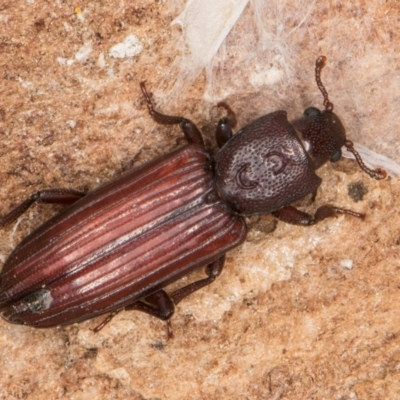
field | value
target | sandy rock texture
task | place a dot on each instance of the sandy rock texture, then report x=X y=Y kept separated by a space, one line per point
x=298 y=313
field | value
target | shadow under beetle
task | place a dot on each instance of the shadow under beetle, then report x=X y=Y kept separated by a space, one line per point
x=120 y=245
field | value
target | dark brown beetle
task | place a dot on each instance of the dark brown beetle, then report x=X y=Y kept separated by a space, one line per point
x=119 y=246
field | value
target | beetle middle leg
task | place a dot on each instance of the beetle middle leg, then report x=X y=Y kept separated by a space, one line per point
x=188 y=127
x=294 y=216
x=50 y=196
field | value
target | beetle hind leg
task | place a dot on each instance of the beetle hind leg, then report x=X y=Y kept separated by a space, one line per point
x=162 y=305
x=51 y=196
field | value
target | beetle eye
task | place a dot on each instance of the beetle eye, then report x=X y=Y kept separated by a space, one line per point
x=336 y=156
x=312 y=112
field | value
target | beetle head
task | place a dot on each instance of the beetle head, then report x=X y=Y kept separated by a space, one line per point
x=322 y=135
x=321 y=132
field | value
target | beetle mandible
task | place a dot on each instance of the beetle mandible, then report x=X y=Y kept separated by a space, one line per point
x=120 y=245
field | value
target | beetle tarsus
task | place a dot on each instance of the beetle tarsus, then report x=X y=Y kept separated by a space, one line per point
x=106 y=320
x=230 y=114
x=189 y=129
x=170 y=331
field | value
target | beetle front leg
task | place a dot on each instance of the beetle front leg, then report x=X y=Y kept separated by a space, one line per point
x=188 y=127
x=225 y=125
x=51 y=196
x=294 y=216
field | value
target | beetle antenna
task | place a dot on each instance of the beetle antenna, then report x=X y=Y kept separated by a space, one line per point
x=373 y=173
x=319 y=64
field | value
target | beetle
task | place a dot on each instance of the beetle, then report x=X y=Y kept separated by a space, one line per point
x=120 y=245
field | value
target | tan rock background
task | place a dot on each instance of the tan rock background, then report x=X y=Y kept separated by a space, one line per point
x=299 y=313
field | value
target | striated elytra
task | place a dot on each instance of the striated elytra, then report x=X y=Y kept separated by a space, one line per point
x=120 y=245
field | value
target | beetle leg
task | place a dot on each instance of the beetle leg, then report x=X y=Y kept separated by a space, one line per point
x=294 y=216
x=313 y=196
x=158 y=304
x=225 y=125
x=212 y=270
x=189 y=129
x=161 y=305
x=106 y=320
x=51 y=196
